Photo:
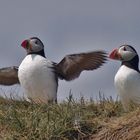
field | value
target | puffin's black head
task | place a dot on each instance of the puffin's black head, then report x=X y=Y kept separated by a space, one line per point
x=127 y=55
x=33 y=46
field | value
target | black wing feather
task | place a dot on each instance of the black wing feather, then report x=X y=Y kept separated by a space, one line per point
x=72 y=65
x=9 y=76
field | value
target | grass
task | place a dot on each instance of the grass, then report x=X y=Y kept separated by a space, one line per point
x=70 y=120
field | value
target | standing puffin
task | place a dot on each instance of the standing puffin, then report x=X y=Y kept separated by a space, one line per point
x=127 y=79
x=39 y=76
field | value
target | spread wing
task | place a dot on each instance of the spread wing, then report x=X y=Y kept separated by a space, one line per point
x=72 y=65
x=9 y=76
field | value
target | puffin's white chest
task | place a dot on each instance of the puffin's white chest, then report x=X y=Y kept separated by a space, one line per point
x=37 y=78
x=127 y=83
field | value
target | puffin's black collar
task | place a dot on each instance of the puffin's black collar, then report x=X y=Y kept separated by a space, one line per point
x=133 y=64
x=42 y=53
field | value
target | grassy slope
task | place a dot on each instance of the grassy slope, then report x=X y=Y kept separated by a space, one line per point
x=66 y=121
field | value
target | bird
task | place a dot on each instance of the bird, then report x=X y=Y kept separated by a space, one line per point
x=38 y=76
x=127 y=78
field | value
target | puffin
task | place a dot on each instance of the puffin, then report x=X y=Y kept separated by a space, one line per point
x=127 y=79
x=38 y=76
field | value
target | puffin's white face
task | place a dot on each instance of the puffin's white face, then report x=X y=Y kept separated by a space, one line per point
x=33 y=44
x=123 y=53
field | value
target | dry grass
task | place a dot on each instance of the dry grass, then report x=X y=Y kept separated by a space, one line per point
x=126 y=127
x=70 y=120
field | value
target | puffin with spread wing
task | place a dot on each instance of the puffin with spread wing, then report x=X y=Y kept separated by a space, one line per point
x=39 y=76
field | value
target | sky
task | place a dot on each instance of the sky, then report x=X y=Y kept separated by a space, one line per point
x=67 y=27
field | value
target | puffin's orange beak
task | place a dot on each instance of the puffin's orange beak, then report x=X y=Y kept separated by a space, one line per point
x=115 y=55
x=26 y=45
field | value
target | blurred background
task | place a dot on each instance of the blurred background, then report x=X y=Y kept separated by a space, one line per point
x=70 y=26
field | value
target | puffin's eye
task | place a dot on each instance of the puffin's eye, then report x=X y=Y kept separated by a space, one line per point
x=124 y=49
x=36 y=42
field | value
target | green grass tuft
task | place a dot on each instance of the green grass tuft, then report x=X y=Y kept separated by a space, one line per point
x=70 y=120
